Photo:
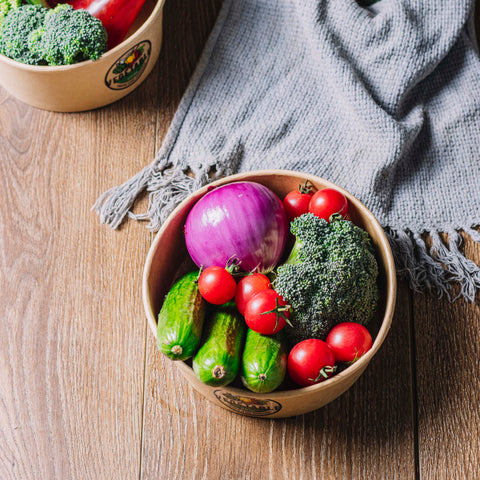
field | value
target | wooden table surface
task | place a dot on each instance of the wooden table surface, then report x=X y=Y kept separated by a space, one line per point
x=85 y=393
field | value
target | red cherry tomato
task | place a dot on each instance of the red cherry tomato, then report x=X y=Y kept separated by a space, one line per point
x=267 y=312
x=296 y=202
x=310 y=361
x=349 y=341
x=327 y=202
x=216 y=285
x=247 y=287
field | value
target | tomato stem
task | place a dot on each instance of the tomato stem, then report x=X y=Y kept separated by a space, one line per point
x=335 y=216
x=307 y=187
x=280 y=312
x=355 y=358
x=324 y=372
x=233 y=265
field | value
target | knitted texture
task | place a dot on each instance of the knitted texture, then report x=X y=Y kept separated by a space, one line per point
x=383 y=101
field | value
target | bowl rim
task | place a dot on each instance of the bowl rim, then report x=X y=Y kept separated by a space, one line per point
x=115 y=51
x=390 y=280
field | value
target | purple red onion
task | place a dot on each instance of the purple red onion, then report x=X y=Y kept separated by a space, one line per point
x=243 y=222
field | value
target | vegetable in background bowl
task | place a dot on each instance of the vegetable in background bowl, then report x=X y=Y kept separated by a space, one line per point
x=90 y=84
x=117 y=16
x=35 y=35
x=6 y=6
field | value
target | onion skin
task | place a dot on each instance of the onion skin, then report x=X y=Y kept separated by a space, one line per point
x=244 y=221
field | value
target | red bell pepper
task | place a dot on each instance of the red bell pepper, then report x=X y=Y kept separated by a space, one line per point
x=117 y=16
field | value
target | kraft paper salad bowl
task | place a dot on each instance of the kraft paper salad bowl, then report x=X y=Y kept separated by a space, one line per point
x=168 y=259
x=90 y=84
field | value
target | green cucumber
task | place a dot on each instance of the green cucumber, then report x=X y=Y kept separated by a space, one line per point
x=264 y=361
x=217 y=361
x=180 y=321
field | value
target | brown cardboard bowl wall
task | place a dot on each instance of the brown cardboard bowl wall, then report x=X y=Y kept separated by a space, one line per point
x=90 y=84
x=168 y=259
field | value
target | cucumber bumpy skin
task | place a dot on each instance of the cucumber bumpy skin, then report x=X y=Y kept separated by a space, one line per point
x=180 y=321
x=264 y=362
x=217 y=361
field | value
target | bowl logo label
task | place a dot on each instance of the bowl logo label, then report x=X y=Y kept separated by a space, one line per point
x=254 y=407
x=129 y=67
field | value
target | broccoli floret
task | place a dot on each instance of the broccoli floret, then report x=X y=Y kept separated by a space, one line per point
x=69 y=36
x=36 y=35
x=330 y=276
x=6 y=6
x=18 y=24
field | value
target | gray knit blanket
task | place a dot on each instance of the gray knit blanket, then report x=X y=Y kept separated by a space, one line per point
x=381 y=100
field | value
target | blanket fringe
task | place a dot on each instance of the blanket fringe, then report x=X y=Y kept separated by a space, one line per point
x=167 y=189
x=114 y=204
x=438 y=267
x=167 y=186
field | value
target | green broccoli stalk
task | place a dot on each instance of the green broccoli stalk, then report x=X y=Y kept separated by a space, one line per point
x=330 y=276
x=35 y=35
x=6 y=6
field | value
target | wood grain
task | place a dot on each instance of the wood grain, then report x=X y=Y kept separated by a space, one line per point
x=447 y=367
x=84 y=393
x=72 y=336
